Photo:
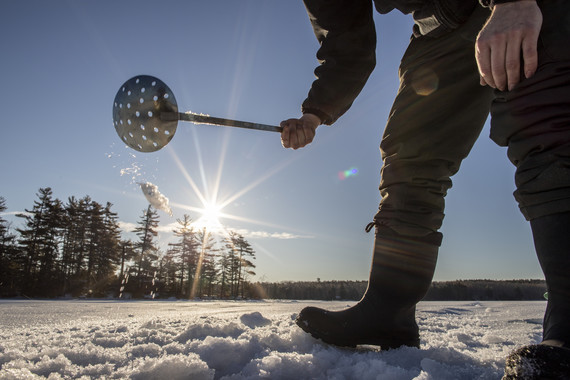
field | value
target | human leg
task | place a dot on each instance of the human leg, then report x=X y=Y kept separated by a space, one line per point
x=533 y=121
x=437 y=115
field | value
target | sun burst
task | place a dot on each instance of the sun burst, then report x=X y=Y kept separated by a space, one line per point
x=210 y=219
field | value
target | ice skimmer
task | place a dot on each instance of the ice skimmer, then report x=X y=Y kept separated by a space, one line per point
x=145 y=115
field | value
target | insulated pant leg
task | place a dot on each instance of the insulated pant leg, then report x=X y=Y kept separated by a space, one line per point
x=533 y=120
x=437 y=116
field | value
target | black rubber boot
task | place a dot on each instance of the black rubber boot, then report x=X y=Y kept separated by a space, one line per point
x=551 y=358
x=401 y=273
x=548 y=360
x=552 y=242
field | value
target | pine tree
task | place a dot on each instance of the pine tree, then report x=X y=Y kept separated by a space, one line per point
x=3 y=225
x=73 y=223
x=79 y=240
x=206 y=267
x=39 y=241
x=9 y=256
x=171 y=273
x=147 y=251
x=94 y=230
x=224 y=263
x=185 y=253
x=107 y=249
x=239 y=264
x=246 y=254
x=127 y=254
x=230 y=265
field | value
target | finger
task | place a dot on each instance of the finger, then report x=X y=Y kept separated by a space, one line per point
x=483 y=57
x=498 y=69
x=513 y=63
x=300 y=140
x=293 y=138
x=530 y=55
x=285 y=133
x=309 y=132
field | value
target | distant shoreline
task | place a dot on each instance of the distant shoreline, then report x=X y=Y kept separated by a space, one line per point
x=458 y=290
x=349 y=290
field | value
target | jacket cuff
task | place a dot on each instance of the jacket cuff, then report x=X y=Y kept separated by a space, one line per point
x=325 y=117
x=491 y=3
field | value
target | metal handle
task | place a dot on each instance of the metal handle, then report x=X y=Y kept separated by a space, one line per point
x=204 y=119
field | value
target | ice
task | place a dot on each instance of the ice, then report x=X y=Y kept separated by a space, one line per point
x=155 y=197
x=132 y=171
x=198 y=114
x=235 y=340
x=254 y=320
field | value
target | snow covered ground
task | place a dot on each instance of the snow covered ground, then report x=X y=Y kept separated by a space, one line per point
x=247 y=340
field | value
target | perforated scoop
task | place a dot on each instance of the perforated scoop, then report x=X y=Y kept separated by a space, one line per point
x=136 y=113
x=145 y=115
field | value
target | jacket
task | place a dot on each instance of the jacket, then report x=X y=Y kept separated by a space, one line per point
x=347 y=36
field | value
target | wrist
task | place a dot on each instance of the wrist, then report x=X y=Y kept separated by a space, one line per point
x=323 y=117
x=312 y=118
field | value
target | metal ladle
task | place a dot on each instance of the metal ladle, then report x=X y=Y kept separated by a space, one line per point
x=145 y=115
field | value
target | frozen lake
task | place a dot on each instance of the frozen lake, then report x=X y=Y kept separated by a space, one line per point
x=94 y=339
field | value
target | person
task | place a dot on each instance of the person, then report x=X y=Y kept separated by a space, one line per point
x=509 y=57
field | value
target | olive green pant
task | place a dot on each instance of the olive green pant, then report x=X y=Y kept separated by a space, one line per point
x=440 y=110
x=437 y=116
x=533 y=120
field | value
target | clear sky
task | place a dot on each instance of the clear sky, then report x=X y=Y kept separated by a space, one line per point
x=62 y=63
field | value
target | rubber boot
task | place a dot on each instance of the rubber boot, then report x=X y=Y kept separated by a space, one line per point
x=401 y=273
x=552 y=243
x=548 y=360
x=551 y=358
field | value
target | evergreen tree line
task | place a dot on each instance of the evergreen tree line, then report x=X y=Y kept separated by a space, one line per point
x=487 y=290
x=461 y=290
x=76 y=248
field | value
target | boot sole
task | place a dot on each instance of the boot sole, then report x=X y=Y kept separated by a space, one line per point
x=538 y=362
x=384 y=343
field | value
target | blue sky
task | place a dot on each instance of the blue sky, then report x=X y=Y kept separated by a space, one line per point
x=62 y=63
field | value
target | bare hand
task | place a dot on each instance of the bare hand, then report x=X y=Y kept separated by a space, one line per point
x=512 y=29
x=298 y=133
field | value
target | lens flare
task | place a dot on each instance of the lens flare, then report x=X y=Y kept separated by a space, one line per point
x=347 y=173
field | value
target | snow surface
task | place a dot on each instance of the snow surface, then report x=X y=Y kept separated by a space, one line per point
x=95 y=339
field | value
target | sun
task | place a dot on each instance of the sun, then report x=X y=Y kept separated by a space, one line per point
x=210 y=219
